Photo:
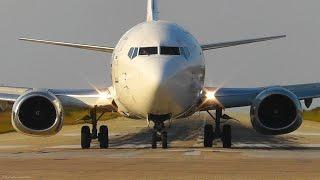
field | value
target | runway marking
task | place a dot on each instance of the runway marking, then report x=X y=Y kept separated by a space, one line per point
x=188 y=152
x=64 y=147
x=78 y=134
x=305 y=134
x=124 y=146
x=249 y=145
x=310 y=145
x=272 y=145
x=192 y=153
x=123 y=155
x=71 y=135
x=180 y=150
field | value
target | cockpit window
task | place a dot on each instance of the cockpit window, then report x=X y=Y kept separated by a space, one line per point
x=185 y=52
x=165 y=50
x=133 y=52
x=130 y=52
x=148 y=51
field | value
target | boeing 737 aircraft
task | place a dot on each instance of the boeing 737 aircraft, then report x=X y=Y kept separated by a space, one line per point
x=158 y=74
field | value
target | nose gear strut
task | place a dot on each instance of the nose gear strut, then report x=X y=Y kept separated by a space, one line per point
x=159 y=134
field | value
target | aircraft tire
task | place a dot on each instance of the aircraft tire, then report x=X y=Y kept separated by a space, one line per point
x=164 y=138
x=85 y=137
x=208 y=135
x=154 y=140
x=226 y=136
x=103 y=137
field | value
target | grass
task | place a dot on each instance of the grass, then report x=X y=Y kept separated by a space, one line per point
x=5 y=122
x=71 y=117
x=312 y=115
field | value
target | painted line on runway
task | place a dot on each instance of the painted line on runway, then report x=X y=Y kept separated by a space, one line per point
x=192 y=153
x=305 y=134
x=71 y=135
x=124 y=146
x=124 y=155
x=64 y=147
x=78 y=134
x=272 y=145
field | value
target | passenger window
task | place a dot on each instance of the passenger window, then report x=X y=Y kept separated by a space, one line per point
x=169 y=50
x=148 y=51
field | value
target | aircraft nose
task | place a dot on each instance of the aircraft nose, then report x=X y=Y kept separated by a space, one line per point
x=160 y=71
x=160 y=83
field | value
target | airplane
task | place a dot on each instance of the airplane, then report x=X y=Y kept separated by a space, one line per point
x=158 y=74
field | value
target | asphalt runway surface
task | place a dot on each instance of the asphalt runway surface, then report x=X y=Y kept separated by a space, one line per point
x=253 y=156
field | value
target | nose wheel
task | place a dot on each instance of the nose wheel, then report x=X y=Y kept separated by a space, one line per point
x=210 y=134
x=159 y=135
x=87 y=136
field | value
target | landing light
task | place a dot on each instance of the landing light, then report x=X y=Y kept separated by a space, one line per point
x=210 y=95
x=103 y=95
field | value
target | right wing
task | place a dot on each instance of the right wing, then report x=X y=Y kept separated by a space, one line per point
x=240 y=97
x=80 y=46
x=230 y=97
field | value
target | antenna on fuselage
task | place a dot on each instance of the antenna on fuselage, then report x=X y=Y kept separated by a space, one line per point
x=152 y=10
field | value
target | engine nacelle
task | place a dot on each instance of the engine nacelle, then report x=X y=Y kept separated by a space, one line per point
x=38 y=113
x=276 y=111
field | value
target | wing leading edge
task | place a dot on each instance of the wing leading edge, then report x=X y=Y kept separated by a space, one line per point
x=72 y=45
x=206 y=47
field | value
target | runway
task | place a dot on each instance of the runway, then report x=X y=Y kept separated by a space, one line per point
x=253 y=156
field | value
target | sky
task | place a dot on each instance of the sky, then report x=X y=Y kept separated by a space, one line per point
x=102 y=22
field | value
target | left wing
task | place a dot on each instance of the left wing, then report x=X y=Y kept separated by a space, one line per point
x=240 y=97
x=86 y=98
x=237 y=43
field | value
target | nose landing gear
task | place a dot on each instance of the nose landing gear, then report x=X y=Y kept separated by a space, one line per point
x=159 y=134
x=87 y=136
x=210 y=135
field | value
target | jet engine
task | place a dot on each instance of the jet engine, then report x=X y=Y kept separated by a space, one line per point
x=38 y=113
x=276 y=111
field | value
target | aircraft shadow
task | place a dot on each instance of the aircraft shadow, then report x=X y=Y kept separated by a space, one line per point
x=192 y=129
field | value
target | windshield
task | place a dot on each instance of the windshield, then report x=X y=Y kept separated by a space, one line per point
x=148 y=50
x=164 y=50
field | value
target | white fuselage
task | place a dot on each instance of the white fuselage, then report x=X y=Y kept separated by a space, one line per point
x=158 y=83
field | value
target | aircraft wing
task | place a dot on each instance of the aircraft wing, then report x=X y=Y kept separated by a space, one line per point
x=240 y=97
x=206 y=47
x=72 y=45
x=84 y=99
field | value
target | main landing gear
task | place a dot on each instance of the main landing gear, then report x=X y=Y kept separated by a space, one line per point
x=210 y=134
x=87 y=136
x=159 y=134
